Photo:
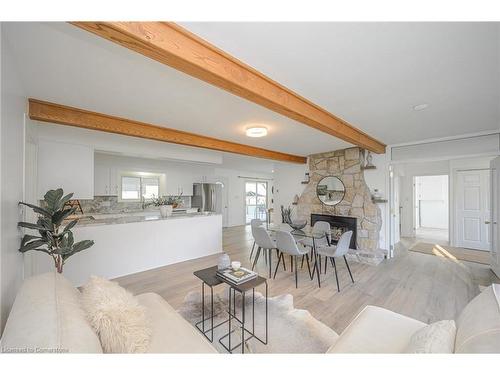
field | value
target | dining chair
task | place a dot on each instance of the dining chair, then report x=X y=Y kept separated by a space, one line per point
x=319 y=227
x=286 y=244
x=254 y=223
x=336 y=251
x=265 y=244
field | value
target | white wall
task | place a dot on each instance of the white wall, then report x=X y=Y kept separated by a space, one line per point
x=287 y=184
x=13 y=105
x=130 y=146
x=432 y=199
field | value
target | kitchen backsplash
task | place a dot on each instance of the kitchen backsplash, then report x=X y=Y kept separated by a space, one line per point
x=110 y=204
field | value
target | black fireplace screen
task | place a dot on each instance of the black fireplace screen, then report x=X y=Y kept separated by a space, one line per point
x=339 y=225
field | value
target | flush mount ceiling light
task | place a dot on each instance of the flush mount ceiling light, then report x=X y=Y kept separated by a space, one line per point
x=256 y=131
x=420 y=107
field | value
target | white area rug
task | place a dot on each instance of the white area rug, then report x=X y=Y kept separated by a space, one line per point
x=290 y=330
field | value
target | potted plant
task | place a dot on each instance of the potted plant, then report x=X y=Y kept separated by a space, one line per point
x=166 y=204
x=161 y=202
x=50 y=239
x=175 y=201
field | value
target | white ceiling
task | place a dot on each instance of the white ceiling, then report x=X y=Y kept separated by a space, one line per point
x=60 y=63
x=372 y=74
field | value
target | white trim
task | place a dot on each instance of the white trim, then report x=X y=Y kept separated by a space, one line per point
x=449 y=138
x=444 y=158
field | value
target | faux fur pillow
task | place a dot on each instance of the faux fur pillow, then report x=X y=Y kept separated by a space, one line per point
x=437 y=337
x=116 y=316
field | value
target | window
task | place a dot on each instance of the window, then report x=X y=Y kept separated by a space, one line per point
x=150 y=187
x=134 y=188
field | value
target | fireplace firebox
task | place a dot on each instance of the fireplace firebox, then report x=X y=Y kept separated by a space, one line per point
x=339 y=225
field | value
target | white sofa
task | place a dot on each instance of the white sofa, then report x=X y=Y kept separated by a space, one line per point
x=47 y=315
x=377 y=330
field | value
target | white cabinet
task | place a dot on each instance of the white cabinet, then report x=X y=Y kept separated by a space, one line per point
x=67 y=166
x=179 y=183
x=106 y=181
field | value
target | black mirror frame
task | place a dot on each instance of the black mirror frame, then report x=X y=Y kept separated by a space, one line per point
x=319 y=183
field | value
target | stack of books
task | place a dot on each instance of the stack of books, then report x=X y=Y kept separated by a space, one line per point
x=237 y=277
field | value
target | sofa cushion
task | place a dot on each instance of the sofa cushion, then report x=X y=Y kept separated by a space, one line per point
x=47 y=317
x=116 y=316
x=377 y=330
x=170 y=332
x=438 y=337
x=478 y=326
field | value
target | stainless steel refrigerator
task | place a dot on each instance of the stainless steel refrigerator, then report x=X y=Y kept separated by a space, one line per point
x=207 y=197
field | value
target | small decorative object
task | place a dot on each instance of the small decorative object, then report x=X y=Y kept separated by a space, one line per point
x=308 y=178
x=235 y=265
x=175 y=201
x=298 y=224
x=223 y=262
x=295 y=199
x=286 y=214
x=368 y=161
x=166 y=210
x=50 y=239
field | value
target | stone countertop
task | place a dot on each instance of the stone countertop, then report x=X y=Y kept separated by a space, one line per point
x=88 y=221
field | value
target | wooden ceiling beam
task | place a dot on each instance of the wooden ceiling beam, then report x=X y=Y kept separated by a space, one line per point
x=176 y=47
x=64 y=115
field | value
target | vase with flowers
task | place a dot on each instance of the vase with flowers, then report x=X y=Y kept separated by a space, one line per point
x=166 y=204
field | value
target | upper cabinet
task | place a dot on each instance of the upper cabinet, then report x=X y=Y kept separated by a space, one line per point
x=106 y=181
x=67 y=166
x=179 y=183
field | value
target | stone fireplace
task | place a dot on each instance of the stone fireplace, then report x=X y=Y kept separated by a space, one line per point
x=357 y=203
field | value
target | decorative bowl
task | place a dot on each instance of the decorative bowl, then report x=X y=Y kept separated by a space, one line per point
x=235 y=265
x=298 y=224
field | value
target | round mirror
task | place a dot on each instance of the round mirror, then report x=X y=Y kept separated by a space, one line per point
x=330 y=190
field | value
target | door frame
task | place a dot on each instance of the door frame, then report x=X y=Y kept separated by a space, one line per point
x=415 y=204
x=495 y=208
x=256 y=180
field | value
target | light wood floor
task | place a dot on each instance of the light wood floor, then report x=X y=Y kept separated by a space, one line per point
x=421 y=286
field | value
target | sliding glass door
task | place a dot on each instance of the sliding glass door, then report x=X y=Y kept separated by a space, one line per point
x=255 y=200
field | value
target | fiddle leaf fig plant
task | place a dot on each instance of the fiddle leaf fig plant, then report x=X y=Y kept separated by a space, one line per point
x=51 y=236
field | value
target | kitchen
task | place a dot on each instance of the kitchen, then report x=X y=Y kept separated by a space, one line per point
x=114 y=178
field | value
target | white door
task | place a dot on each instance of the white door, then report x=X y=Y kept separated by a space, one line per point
x=472 y=209
x=495 y=209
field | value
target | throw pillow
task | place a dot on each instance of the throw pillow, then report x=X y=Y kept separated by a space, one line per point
x=116 y=316
x=437 y=337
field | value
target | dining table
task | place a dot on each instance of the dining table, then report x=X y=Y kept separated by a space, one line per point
x=299 y=235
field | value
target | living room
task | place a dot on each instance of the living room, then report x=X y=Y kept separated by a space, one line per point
x=250 y=187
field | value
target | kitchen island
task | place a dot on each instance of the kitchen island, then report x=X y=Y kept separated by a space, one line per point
x=126 y=244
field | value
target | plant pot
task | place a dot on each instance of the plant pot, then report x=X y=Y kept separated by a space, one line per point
x=166 y=210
